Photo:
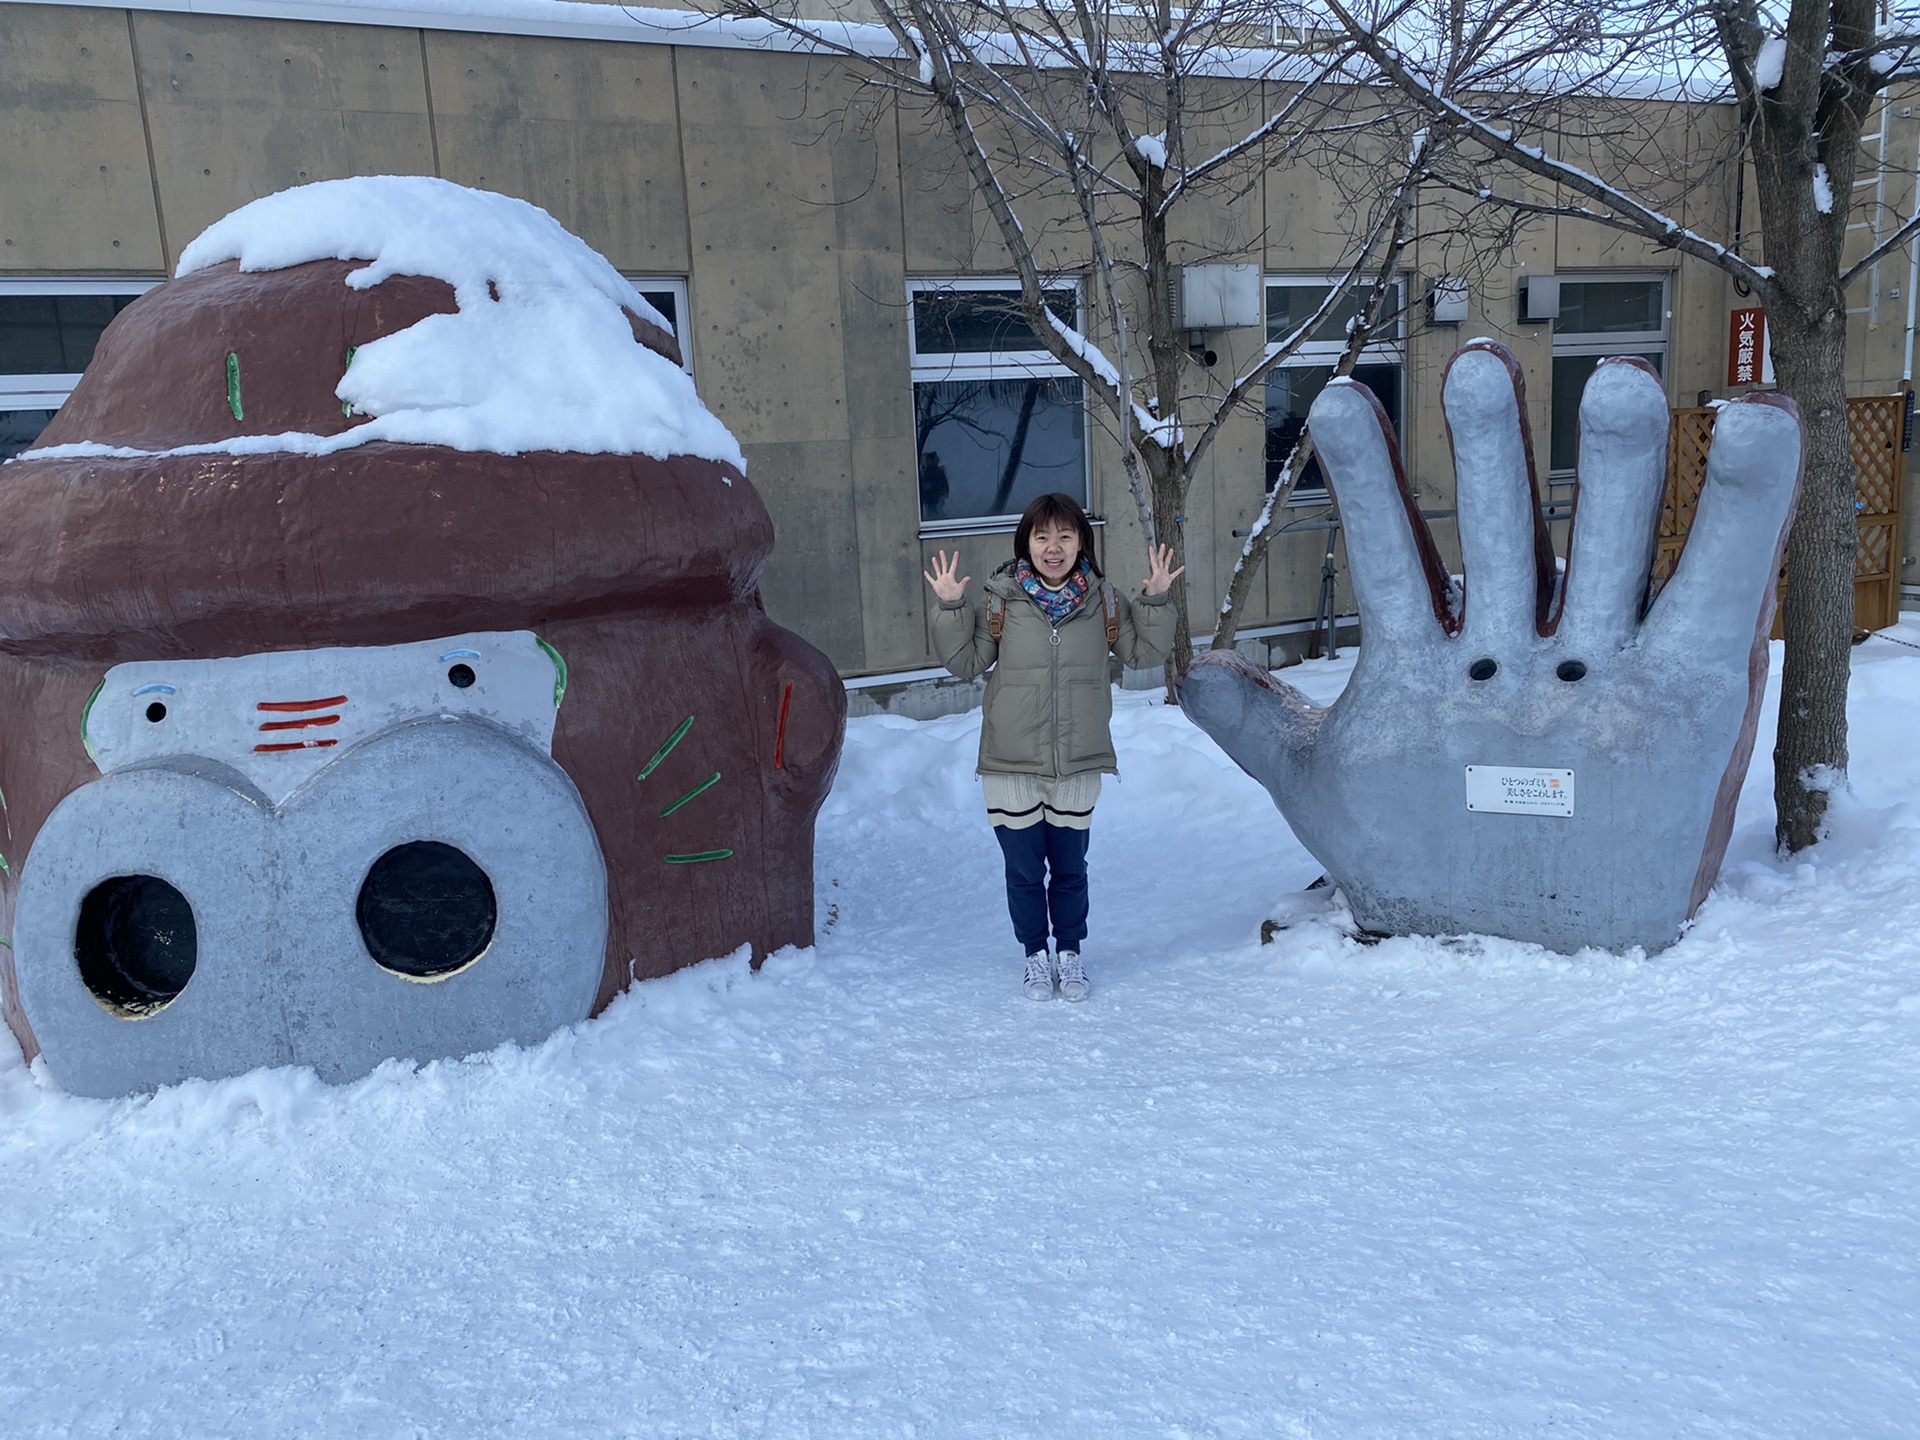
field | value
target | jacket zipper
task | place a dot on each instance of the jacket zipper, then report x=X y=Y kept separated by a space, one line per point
x=1053 y=653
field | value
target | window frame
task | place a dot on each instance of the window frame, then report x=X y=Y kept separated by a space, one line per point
x=947 y=365
x=1315 y=354
x=682 y=320
x=51 y=390
x=1582 y=344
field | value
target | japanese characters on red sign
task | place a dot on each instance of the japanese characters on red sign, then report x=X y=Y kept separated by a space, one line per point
x=1747 y=347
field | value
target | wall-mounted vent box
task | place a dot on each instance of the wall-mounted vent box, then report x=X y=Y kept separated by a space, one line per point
x=1447 y=301
x=1539 y=298
x=1216 y=297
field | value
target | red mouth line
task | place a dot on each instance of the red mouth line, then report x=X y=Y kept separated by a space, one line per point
x=293 y=745
x=284 y=707
x=301 y=724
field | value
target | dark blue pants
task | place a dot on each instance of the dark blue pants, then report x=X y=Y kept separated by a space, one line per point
x=1034 y=897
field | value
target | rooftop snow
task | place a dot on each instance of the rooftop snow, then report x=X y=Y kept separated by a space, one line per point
x=540 y=355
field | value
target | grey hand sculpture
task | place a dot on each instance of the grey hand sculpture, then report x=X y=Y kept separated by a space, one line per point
x=1436 y=791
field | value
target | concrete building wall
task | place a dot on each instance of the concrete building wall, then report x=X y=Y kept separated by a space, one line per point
x=798 y=204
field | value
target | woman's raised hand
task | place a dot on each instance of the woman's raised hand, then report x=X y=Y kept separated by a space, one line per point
x=948 y=588
x=1159 y=578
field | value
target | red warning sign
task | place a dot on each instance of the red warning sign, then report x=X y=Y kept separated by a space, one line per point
x=1747 y=358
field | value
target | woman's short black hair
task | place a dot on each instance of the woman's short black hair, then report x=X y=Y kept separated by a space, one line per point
x=1055 y=509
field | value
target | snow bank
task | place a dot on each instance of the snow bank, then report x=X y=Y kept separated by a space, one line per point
x=539 y=357
x=1427 y=1187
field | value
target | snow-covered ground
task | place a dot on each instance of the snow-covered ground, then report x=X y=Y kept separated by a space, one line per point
x=1428 y=1188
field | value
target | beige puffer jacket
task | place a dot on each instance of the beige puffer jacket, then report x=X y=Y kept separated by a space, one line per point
x=1049 y=706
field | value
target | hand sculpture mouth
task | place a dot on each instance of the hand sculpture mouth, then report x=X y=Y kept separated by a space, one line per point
x=1614 y=726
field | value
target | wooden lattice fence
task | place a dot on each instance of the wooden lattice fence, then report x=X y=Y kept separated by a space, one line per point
x=1875 y=423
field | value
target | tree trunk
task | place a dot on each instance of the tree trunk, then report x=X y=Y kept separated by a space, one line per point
x=1817 y=617
x=1167 y=501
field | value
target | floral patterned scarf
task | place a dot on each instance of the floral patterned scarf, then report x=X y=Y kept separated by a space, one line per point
x=1058 y=604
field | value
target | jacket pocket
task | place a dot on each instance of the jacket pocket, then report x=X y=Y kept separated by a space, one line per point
x=1086 y=728
x=1013 y=727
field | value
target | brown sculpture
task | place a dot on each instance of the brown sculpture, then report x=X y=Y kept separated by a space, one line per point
x=701 y=736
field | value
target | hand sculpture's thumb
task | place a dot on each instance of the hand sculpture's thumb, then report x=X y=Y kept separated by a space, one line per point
x=1266 y=726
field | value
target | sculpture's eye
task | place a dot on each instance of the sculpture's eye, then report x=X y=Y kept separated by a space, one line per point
x=460 y=676
x=156 y=712
x=1483 y=669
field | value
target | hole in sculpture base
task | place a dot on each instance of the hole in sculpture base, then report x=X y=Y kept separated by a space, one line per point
x=1571 y=670
x=1482 y=669
x=136 y=944
x=426 y=910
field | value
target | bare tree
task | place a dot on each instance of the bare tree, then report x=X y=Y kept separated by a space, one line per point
x=1616 y=113
x=1109 y=122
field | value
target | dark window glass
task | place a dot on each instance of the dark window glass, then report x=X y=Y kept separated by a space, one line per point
x=20 y=428
x=979 y=322
x=991 y=447
x=1290 y=305
x=1291 y=391
x=1611 y=307
x=1570 y=376
x=53 y=334
x=667 y=303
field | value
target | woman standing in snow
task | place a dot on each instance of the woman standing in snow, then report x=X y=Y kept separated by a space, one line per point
x=1048 y=619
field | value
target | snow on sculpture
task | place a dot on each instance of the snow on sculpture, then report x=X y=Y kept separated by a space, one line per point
x=381 y=666
x=1510 y=758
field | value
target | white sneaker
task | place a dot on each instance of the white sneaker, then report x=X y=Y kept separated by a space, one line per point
x=1038 y=984
x=1073 y=979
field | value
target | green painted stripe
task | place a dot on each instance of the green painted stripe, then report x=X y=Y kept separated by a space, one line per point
x=559 y=672
x=698 y=858
x=85 y=743
x=346 y=406
x=233 y=386
x=705 y=785
x=666 y=749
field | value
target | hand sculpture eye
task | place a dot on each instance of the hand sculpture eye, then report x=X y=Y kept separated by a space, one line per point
x=1551 y=763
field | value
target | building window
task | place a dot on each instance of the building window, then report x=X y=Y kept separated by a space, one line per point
x=1295 y=382
x=1600 y=315
x=48 y=330
x=997 y=421
x=668 y=295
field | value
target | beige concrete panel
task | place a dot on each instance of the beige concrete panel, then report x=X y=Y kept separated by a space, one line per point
x=1223 y=217
x=1293 y=572
x=813 y=583
x=936 y=199
x=76 y=192
x=1703 y=300
x=1319 y=207
x=586 y=130
x=949 y=230
x=879 y=394
x=1584 y=245
x=241 y=108
x=764 y=229
x=1310 y=224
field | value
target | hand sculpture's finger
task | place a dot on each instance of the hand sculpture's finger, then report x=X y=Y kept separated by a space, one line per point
x=1722 y=593
x=1623 y=470
x=1503 y=541
x=1398 y=580
x=1267 y=728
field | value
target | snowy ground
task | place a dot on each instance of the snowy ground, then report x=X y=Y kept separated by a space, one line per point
x=1422 y=1189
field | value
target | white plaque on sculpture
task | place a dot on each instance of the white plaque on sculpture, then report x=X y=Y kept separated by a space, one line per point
x=1519 y=790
